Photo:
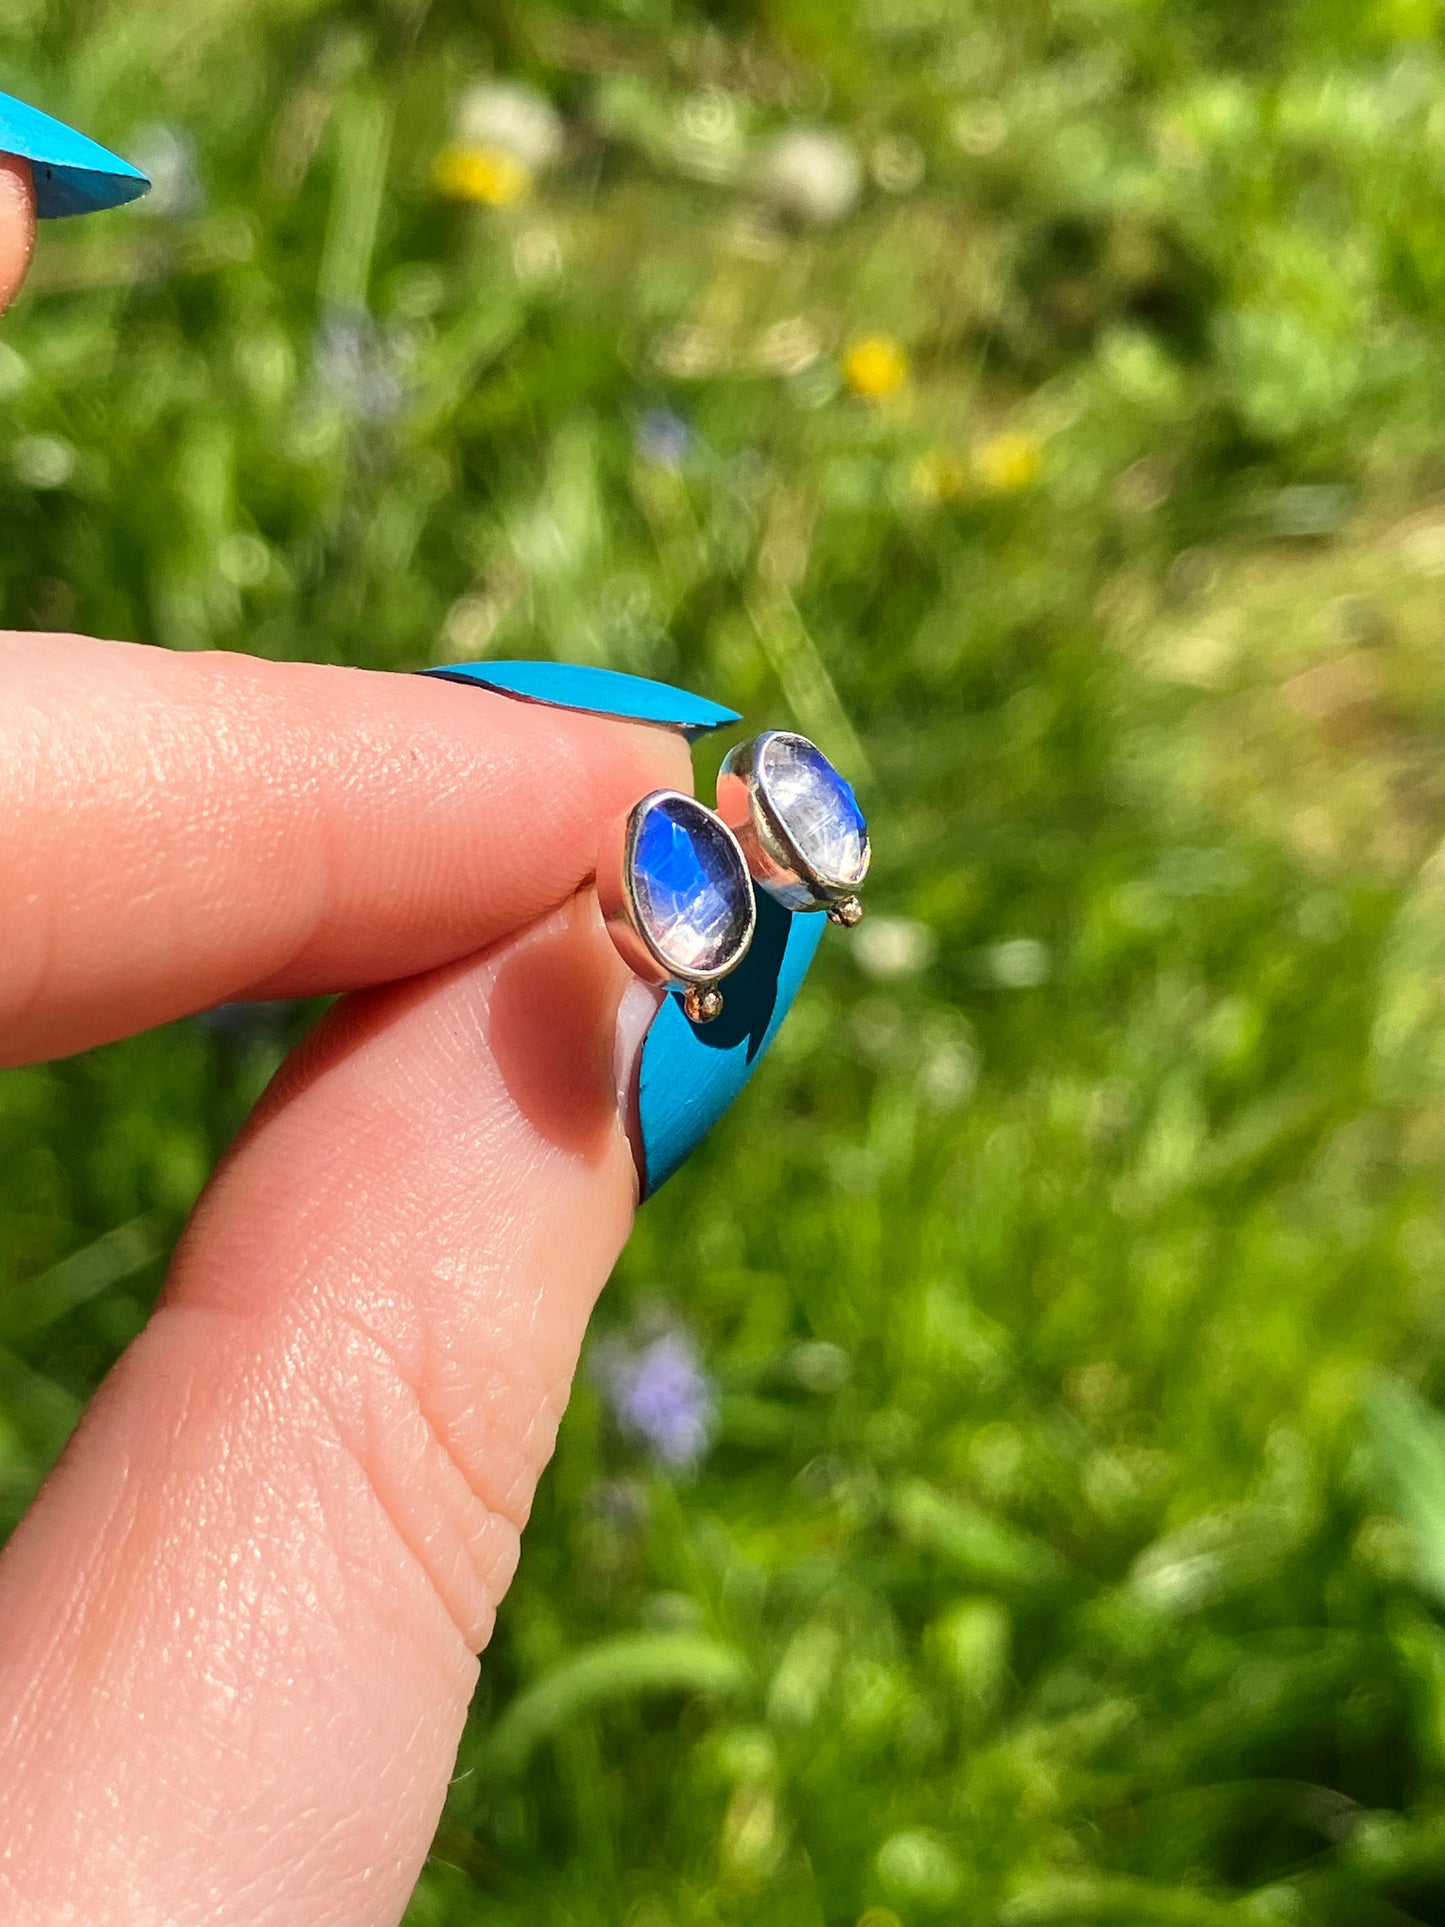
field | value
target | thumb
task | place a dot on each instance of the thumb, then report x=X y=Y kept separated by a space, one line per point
x=17 y=225
x=238 y=1630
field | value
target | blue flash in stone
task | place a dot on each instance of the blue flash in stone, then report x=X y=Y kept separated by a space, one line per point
x=677 y=896
x=798 y=823
x=817 y=808
x=692 y=893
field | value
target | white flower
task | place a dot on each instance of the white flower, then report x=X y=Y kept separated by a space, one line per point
x=949 y=1075
x=43 y=461
x=169 y=156
x=812 y=174
x=889 y=948
x=1018 y=963
x=917 y=1865
x=15 y=373
x=514 y=118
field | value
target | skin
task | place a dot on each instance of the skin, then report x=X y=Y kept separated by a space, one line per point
x=17 y=226
x=239 y=1628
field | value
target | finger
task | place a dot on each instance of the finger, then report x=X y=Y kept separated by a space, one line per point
x=177 y=830
x=237 y=1630
x=17 y=225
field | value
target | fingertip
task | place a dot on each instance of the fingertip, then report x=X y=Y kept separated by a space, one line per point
x=17 y=224
x=325 y=829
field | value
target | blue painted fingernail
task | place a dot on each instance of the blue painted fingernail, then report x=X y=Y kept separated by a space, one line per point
x=601 y=692
x=73 y=175
x=691 y=1073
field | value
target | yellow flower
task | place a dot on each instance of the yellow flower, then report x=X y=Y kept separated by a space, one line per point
x=490 y=176
x=939 y=476
x=875 y=367
x=1008 y=463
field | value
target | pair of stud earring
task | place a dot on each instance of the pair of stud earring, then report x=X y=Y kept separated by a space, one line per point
x=676 y=879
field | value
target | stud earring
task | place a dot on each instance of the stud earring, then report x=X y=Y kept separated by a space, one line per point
x=798 y=822
x=677 y=898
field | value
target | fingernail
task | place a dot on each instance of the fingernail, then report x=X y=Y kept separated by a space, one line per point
x=601 y=692
x=690 y=1074
x=73 y=175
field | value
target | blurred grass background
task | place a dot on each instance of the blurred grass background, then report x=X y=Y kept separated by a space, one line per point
x=1039 y=403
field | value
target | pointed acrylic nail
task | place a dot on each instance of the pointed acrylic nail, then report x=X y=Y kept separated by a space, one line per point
x=691 y=1073
x=73 y=175
x=601 y=692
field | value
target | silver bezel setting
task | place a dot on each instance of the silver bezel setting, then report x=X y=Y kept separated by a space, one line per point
x=617 y=895
x=773 y=855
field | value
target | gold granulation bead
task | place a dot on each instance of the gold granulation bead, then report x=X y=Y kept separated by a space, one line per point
x=702 y=1002
x=847 y=911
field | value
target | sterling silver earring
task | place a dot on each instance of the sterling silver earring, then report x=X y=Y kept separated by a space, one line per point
x=798 y=823
x=677 y=897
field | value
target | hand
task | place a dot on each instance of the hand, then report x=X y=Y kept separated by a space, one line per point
x=238 y=1629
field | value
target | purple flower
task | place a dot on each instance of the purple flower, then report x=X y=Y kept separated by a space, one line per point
x=661 y=1395
x=664 y=439
x=354 y=366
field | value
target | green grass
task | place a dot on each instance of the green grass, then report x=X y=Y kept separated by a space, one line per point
x=1072 y=1548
